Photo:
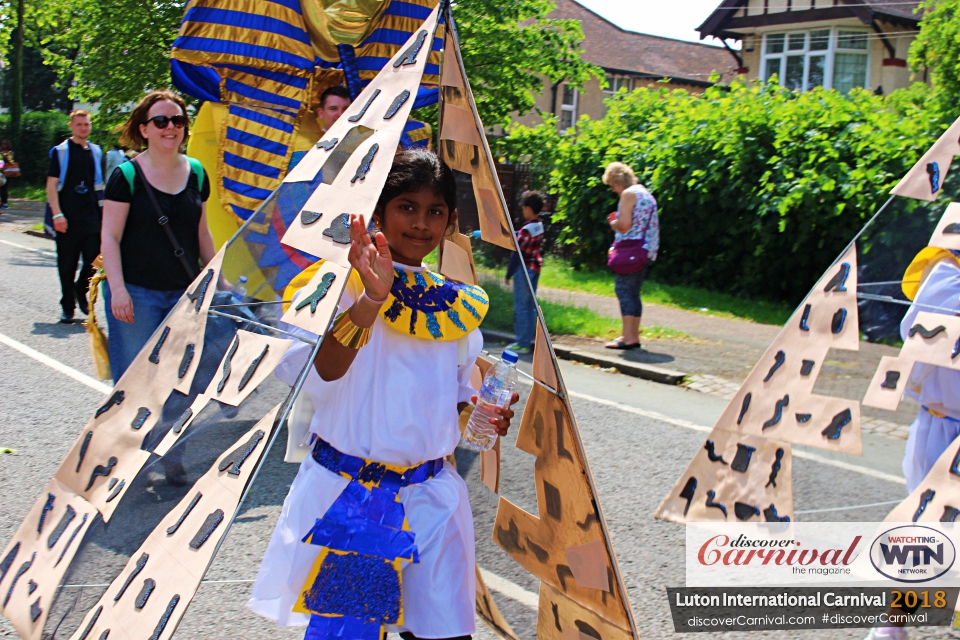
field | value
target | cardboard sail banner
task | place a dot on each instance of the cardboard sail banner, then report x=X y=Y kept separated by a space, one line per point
x=463 y=146
x=777 y=400
x=348 y=168
x=582 y=593
x=743 y=470
x=925 y=180
x=155 y=587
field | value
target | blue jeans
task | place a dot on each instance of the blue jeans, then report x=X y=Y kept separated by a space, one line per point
x=525 y=308
x=627 y=287
x=150 y=307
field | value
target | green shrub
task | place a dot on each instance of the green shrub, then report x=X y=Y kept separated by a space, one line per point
x=759 y=188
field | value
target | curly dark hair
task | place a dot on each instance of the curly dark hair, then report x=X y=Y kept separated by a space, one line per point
x=417 y=169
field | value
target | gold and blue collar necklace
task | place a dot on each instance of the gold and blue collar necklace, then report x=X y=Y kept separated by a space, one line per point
x=428 y=306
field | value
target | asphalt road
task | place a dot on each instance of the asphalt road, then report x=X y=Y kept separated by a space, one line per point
x=639 y=436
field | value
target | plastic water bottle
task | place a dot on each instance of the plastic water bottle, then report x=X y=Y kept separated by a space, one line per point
x=496 y=391
x=240 y=289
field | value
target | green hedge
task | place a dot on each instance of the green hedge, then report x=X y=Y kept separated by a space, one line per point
x=759 y=187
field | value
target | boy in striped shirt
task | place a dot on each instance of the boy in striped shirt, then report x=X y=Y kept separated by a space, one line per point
x=530 y=239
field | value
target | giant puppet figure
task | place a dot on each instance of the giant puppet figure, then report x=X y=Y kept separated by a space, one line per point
x=260 y=68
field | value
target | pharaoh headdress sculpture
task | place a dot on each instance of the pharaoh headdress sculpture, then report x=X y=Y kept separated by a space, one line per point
x=150 y=488
x=260 y=68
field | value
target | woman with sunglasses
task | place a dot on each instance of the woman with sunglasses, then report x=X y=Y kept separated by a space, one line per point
x=145 y=277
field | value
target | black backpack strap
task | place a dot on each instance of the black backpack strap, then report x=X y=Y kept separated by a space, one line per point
x=164 y=221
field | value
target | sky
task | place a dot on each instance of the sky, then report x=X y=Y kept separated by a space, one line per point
x=670 y=18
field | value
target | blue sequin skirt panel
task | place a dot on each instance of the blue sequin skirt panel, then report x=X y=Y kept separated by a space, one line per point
x=438 y=591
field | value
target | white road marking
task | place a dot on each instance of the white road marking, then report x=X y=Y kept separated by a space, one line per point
x=855 y=506
x=511 y=590
x=55 y=364
x=23 y=246
x=686 y=424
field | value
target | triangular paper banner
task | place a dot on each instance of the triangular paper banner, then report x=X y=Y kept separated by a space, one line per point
x=569 y=546
x=175 y=557
x=925 y=180
x=934 y=337
x=742 y=471
x=463 y=146
x=733 y=478
x=350 y=165
x=777 y=400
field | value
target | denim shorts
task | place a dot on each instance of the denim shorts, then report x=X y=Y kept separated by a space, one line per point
x=627 y=286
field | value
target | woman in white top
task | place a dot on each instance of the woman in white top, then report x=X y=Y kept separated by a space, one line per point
x=388 y=384
x=635 y=219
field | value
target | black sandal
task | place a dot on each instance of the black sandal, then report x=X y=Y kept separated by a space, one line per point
x=620 y=345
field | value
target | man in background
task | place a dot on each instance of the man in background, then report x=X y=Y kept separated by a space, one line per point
x=333 y=102
x=75 y=197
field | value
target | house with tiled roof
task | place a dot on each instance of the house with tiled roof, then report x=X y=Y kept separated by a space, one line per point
x=629 y=60
x=837 y=44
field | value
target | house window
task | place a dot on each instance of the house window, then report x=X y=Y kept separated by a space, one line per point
x=615 y=83
x=568 y=107
x=831 y=58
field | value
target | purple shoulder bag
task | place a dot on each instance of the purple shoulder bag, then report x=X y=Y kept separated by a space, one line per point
x=629 y=256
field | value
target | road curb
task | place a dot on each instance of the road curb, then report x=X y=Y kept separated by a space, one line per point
x=634 y=369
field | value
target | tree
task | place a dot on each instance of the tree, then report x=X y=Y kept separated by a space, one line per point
x=123 y=48
x=42 y=89
x=937 y=48
x=16 y=84
x=509 y=47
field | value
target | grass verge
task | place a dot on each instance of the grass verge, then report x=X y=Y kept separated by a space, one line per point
x=558 y=274
x=27 y=191
x=565 y=319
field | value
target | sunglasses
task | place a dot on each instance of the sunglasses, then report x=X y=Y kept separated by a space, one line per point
x=161 y=122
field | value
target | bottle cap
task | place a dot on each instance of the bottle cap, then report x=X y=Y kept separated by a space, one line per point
x=243 y=278
x=509 y=356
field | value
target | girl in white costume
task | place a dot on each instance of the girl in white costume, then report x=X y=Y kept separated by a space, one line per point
x=388 y=385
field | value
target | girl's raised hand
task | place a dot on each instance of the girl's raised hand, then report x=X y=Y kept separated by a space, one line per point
x=371 y=259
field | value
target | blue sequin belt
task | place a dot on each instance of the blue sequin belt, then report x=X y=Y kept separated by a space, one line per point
x=371 y=471
x=356 y=585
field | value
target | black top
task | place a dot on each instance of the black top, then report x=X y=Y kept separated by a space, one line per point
x=78 y=200
x=146 y=254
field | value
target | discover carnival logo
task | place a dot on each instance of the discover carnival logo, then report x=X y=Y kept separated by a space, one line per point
x=912 y=553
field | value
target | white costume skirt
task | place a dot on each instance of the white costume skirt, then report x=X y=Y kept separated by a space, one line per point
x=439 y=592
x=929 y=437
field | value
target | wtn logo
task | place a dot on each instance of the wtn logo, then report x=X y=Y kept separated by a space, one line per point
x=912 y=553
x=897 y=554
